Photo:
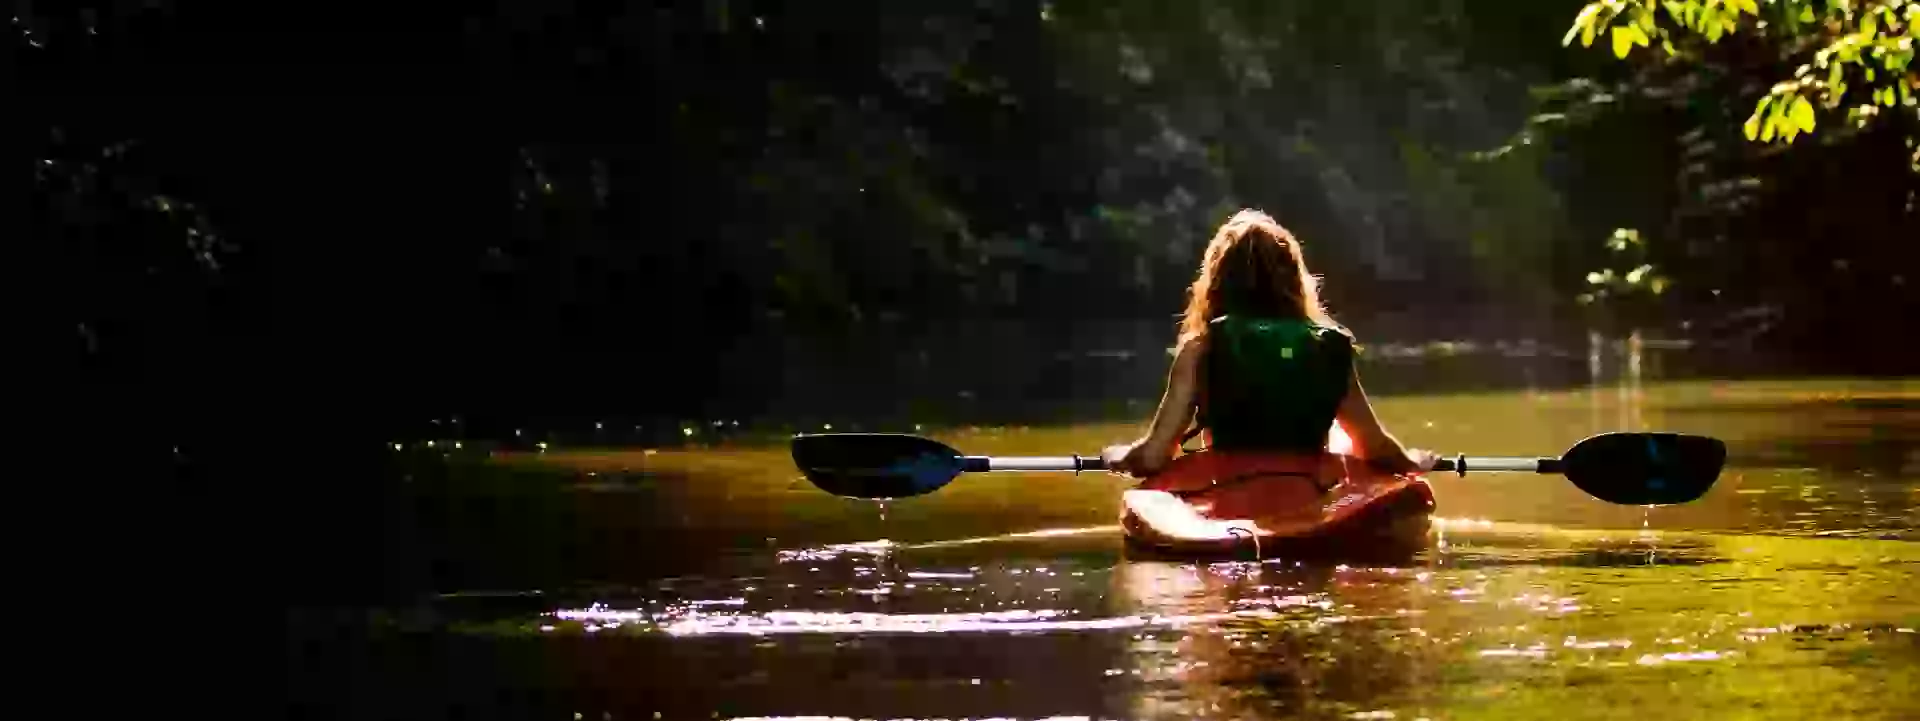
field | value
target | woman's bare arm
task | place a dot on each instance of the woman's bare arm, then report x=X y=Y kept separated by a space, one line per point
x=1177 y=404
x=1176 y=411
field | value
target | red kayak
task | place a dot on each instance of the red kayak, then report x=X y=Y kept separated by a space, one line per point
x=1215 y=503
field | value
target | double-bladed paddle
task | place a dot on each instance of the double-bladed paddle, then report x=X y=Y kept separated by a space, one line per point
x=1635 y=469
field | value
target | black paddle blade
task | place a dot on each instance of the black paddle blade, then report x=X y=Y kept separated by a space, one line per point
x=1645 y=469
x=875 y=465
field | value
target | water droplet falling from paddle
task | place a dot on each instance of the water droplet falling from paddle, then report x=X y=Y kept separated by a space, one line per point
x=882 y=563
x=1647 y=534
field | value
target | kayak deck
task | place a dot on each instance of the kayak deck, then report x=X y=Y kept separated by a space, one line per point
x=1212 y=503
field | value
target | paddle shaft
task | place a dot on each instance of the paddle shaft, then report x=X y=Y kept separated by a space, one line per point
x=1462 y=464
x=978 y=464
x=1076 y=464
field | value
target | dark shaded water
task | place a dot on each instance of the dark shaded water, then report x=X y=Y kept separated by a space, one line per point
x=1787 y=592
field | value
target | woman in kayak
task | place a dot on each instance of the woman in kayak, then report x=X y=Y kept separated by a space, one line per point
x=1260 y=366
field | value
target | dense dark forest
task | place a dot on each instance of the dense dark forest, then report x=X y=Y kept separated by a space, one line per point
x=684 y=210
x=671 y=210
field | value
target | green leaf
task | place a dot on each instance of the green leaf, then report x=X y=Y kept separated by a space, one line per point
x=1869 y=24
x=1707 y=21
x=1622 y=41
x=1767 y=126
x=1584 y=25
x=1833 y=76
x=1609 y=12
x=1573 y=29
x=1676 y=11
x=1644 y=18
x=1802 y=114
x=1806 y=13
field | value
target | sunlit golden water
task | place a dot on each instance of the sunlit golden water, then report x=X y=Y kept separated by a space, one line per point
x=1791 y=591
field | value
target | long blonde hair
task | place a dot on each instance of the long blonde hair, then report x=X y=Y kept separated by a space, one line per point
x=1253 y=266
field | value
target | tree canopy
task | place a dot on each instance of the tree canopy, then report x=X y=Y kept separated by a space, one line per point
x=678 y=195
x=1777 y=231
x=1852 y=55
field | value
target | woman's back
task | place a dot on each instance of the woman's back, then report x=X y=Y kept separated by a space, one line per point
x=1260 y=365
x=1272 y=384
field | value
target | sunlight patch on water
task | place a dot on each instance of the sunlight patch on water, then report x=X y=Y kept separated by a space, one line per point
x=1575 y=643
x=883 y=546
x=1536 y=651
x=695 y=623
x=1650 y=659
x=1030 y=535
x=943 y=718
x=829 y=553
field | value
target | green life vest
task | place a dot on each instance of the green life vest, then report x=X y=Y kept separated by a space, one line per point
x=1272 y=384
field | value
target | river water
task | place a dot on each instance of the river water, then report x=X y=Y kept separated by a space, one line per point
x=717 y=584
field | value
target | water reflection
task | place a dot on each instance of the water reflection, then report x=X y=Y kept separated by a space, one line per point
x=1444 y=636
x=1504 y=613
x=1787 y=593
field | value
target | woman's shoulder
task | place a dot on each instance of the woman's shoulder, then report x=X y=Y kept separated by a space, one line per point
x=1333 y=330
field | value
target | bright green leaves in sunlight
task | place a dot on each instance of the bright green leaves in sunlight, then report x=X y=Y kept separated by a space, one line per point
x=1584 y=24
x=1752 y=128
x=1627 y=36
x=1865 y=46
x=1783 y=114
x=1641 y=280
x=1802 y=114
x=1624 y=238
x=1637 y=25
